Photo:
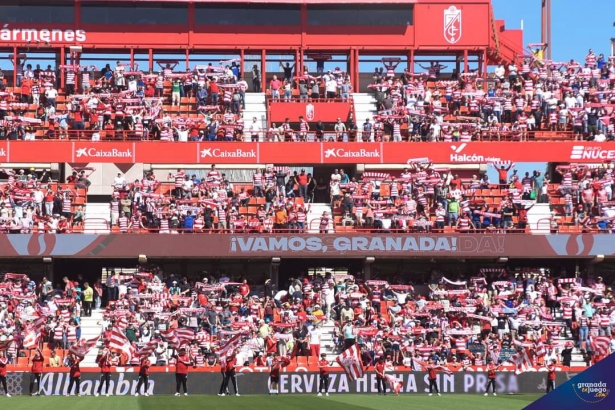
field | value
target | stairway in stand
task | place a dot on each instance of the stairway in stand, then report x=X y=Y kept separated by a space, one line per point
x=97 y=218
x=90 y=328
x=364 y=107
x=313 y=218
x=256 y=106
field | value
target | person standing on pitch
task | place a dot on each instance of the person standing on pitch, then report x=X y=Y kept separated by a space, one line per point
x=3 y=362
x=432 y=369
x=104 y=362
x=75 y=374
x=277 y=363
x=228 y=368
x=551 y=376
x=491 y=369
x=143 y=375
x=381 y=382
x=36 y=372
x=323 y=367
x=181 y=371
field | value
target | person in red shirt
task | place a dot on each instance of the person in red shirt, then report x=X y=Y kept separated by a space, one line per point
x=104 y=362
x=244 y=288
x=75 y=374
x=380 y=370
x=36 y=372
x=491 y=369
x=228 y=374
x=181 y=371
x=432 y=369
x=323 y=366
x=143 y=376
x=3 y=362
x=277 y=363
x=551 y=376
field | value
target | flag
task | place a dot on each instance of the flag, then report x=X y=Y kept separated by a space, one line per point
x=394 y=383
x=121 y=323
x=184 y=335
x=148 y=349
x=83 y=346
x=119 y=341
x=30 y=339
x=521 y=361
x=229 y=346
x=350 y=360
x=600 y=345
x=170 y=337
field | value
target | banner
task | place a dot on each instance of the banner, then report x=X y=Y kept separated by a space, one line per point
x=307 y=245
x=301 y=153
x=290 y=383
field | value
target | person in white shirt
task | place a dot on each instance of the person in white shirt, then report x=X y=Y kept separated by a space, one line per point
x=331 y=89
x=499 y=72
x=119 y=182
x=182 y=133
x=254 y=129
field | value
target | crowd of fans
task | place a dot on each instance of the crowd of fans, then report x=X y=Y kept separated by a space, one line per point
x=32 y=201
x=460 y=322
x=123 y=102
x=421 y=199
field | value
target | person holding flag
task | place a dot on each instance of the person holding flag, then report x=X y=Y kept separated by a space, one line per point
x=143 y=375
x=104 y=362
x=75 y=374
x=491 y=369
x=431 y=368
x=323 y=367
x=380 y=369
x=3 y=362
x=551 y=376
x=36 y=372
x=277 y=363
x=228 y=373
x=182 y=367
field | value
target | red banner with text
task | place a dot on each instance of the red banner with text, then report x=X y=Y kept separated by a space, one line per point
x=301 y=153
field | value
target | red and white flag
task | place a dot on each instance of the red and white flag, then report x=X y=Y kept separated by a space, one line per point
x=394 y=383
x=120 y=342
x=184 y=335
x=30 y=339
x=351 y=362
x=147 y=350
x=600 y=344
x=521 y=360
x=83 y=346
x=233 y=343
x=170 y=337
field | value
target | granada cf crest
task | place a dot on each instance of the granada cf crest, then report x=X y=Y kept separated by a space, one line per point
x=452 y=24
x=310 y=112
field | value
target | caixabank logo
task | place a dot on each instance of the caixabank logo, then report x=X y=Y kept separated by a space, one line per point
x=590 y=389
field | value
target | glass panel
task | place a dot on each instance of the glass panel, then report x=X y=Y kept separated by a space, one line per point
x=118 y=14
x=366 y=15
x=37 y=14
x=247 y=15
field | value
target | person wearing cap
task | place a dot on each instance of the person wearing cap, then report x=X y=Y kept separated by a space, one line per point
x=104 y=362
x=182 y=366
x=323 y=367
